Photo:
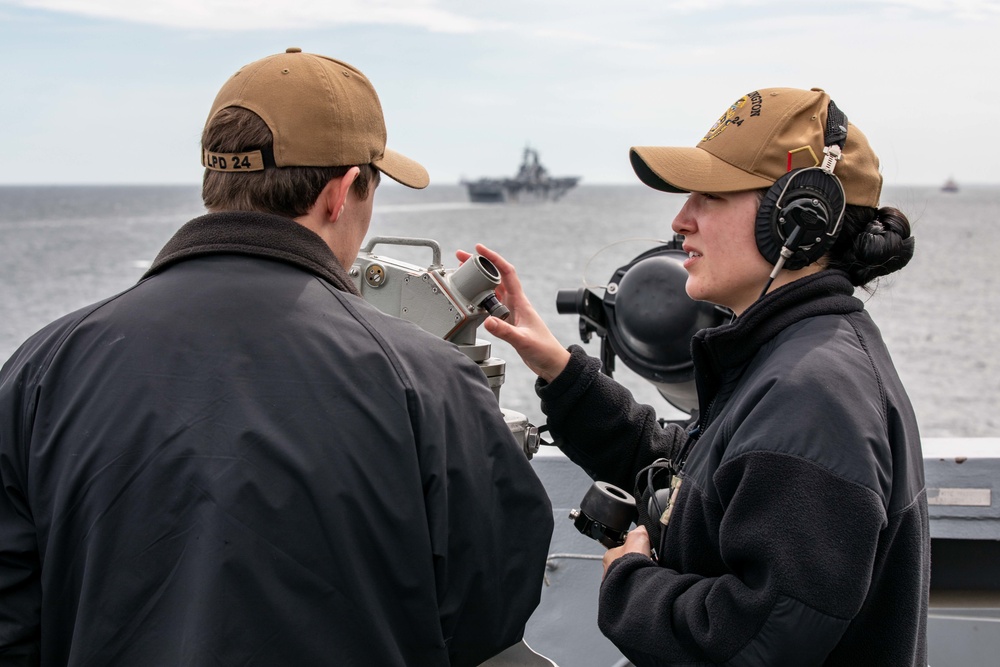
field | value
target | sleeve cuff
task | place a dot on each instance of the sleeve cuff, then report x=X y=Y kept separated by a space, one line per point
x=580 y=364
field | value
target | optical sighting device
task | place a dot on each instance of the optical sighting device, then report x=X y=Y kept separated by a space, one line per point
x=449 y=303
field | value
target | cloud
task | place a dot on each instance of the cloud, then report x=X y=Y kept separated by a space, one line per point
x=952 y=7
x=962 y=8
x=585 y=22
x=455 y=74
x=243 y=15
x=450 y=16
x=592 y=40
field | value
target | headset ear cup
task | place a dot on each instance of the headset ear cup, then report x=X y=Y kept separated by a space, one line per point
x=769 y=242
x=803 y=191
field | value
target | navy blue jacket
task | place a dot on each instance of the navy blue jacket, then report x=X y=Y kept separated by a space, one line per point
x=799 y=535
x=240 y=462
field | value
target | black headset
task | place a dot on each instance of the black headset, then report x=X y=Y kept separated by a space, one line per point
x=800 y=216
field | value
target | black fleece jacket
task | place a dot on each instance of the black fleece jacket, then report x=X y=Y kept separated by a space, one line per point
x=799 y=535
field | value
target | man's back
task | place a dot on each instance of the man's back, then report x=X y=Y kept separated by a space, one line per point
x=235 y=463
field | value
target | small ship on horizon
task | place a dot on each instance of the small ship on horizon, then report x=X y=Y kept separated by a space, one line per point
x=531 y=182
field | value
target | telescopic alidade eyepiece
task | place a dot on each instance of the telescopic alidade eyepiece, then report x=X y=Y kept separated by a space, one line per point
x=477 y=280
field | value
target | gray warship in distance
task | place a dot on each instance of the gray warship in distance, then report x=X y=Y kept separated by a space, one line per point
x=532 y=182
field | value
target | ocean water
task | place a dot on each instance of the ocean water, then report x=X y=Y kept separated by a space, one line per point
x=62 y=248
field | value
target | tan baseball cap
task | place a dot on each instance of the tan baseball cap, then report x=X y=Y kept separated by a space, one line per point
x=760 y=137
x=322 y=113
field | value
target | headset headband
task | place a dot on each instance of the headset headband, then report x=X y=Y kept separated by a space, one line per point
x=834 y=137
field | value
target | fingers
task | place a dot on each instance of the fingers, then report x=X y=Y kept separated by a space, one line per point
x=610 y=556
x=636 y=542
x=509 y=291
x=508 y=274
x=524 y=330
x=534 y=343
x=501 y=330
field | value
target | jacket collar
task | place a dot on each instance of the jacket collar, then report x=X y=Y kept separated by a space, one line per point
x=732 y=345
x=258 y=235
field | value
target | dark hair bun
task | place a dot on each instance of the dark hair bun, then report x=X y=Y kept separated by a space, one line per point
x=872 y=243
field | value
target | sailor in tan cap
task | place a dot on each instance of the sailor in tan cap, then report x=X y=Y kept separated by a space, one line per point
x=789 y=525
x=283 y=128
x=241 y=461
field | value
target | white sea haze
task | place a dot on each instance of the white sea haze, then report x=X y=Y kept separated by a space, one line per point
x=63 y=247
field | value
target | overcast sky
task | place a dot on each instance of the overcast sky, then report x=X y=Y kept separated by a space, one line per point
x=116 y=91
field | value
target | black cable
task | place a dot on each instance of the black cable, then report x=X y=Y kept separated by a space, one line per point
x=786 y=253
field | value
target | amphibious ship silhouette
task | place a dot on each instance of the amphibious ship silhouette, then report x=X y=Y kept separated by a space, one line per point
x=531 y=182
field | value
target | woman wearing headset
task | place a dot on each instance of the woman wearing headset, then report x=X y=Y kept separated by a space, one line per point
x=796 y=531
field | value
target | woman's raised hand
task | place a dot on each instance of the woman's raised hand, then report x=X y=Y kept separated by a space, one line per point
x=524 y=330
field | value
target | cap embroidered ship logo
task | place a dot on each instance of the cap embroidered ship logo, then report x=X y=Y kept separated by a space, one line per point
x=730 y=117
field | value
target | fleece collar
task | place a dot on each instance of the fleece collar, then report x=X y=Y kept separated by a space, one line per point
x=827 y=292
x=258 y=235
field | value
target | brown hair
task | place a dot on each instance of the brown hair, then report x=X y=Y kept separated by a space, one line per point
x=873 y=242
x=288 y=191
